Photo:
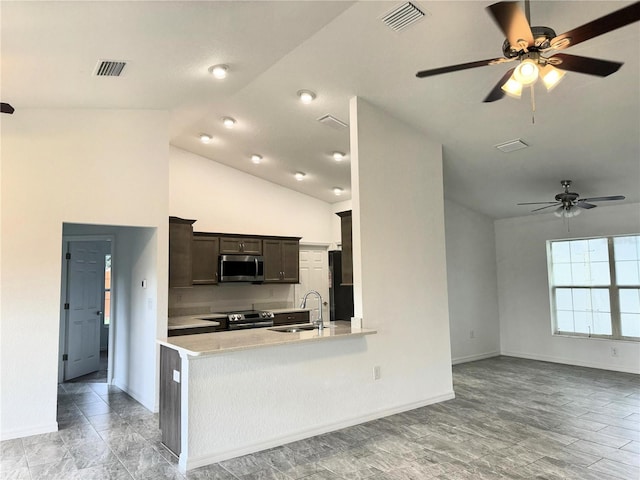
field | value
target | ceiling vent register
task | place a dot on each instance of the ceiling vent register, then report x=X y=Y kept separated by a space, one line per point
x=333 y=122
x=511 y=146
x=109 y=68
x=403 y=16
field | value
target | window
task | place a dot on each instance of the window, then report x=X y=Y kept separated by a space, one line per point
x=595 y=287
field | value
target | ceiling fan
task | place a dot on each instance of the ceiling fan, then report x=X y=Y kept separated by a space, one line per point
x=6 y=108
x=531 y=45
x=566 y=202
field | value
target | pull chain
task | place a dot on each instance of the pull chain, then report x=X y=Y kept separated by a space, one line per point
x=533 y=106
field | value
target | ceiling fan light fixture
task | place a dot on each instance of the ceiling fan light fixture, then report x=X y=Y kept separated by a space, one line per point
x=551 y=76
x=512 y=87
x=566 y=212
x=527 y=72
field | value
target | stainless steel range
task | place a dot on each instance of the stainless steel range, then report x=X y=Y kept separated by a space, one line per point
x=240 y=320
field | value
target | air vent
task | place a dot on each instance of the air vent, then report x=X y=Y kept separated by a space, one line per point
x=511 y=146
x=333 y=122
x=109 y=68
x=401 y=17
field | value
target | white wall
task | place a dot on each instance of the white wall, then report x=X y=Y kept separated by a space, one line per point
x=523 y=289
x=80 y=166
x=472 y=284
x=400 y=277
x=223 y=199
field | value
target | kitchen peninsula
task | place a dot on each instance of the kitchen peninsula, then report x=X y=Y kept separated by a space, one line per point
x=226 y=394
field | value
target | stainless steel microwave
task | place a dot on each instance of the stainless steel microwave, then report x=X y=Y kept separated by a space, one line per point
x=241 y=268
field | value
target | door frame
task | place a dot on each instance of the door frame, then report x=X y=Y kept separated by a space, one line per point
x=62 y=341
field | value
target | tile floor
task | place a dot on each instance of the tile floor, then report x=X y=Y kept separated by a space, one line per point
x=511 y=419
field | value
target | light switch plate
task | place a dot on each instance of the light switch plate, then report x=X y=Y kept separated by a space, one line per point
x=176 y=376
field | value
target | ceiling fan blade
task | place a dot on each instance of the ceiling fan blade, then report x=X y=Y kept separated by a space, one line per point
x=591 y=66
x=461 y=66
x=513 y=23
x=6 y=108
x=537 y=203
x=583 y=204
x=596 y=27
x=602 y=199
x=548 y=206
x=497 y=93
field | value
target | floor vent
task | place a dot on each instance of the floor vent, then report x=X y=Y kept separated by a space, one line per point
x=109 y=68
x=333 y=122
x=401 y=17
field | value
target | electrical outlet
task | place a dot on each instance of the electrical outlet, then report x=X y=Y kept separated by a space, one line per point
x=472 y=334
x=614 y=351
x=376 y=372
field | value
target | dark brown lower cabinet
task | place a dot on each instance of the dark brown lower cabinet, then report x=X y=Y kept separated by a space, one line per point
x=290 y=318
x=170 y=398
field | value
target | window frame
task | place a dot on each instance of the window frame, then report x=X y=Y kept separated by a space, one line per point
x=613 y=289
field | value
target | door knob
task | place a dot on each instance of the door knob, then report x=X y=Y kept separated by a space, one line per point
x=99 y=312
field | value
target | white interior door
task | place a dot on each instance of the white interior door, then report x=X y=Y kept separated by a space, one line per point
x=85 y=286
x=314 y=275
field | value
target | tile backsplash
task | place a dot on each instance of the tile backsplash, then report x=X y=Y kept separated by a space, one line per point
x=227 y=297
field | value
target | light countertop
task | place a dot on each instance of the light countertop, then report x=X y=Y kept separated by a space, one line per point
x=222 y=342
x=208 y=319
x=194 y=321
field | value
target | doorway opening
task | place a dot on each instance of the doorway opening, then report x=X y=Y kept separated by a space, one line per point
x=86 y=316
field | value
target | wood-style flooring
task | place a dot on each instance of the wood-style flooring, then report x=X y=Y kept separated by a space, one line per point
x=511 y=419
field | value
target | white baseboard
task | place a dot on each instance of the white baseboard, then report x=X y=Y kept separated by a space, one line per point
x=473 y=358
x=27 y=432
x=146 y=403
x=571 y=361
x=200 y=461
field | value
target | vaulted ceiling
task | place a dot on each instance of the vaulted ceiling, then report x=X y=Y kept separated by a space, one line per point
x=586 y=129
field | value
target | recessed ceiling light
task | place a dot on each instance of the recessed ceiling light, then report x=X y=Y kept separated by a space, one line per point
x=255 y=158
x=337 y=191
x=306 y=96
x=300 y=176
x=219 y=71
x=205 y=138
x=229 y=122
x=338 y=156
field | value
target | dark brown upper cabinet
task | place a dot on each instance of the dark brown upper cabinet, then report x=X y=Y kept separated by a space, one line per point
x=281 y=260
x=180 y=252
x=248 y=245
x=204 y=266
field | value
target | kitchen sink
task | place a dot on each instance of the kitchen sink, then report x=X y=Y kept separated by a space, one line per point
x=293 y=328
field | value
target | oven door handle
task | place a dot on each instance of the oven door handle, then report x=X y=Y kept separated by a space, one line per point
x=245 y=326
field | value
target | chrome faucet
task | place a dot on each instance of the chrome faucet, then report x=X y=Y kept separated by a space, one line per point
x=318 y=323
